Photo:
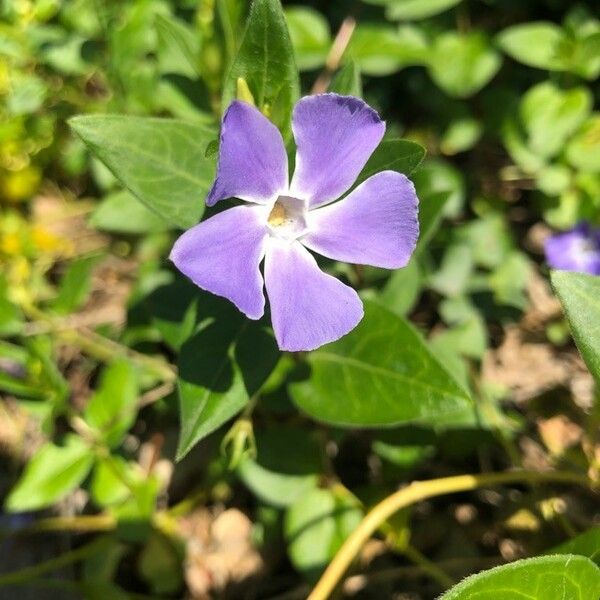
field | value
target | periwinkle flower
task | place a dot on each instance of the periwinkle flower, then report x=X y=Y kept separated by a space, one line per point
x=375 y=224
x=575 y=250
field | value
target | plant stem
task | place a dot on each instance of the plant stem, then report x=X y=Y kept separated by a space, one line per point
x=415 y=492
x=428 y=567
x=28 y=573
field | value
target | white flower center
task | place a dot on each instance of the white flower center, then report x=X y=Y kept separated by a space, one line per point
x=287 y=219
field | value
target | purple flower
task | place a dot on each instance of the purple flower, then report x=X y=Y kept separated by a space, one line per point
x=375 y=224
x=575 y=250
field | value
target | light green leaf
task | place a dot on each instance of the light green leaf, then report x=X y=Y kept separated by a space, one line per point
x=399 y=155
x=287 y=466
x=310 y=36
x=266 y=61
x=380 y=374
x=316 y=527
x=585 y=544
x=540 y=578
x=402 y=289
x=583 y=151
x=551 y=115
x=220 y=367
x=412 y=10
x=461 y=64
x=121 y=212
x=112 y=409
x=347 y=81
x=161 y=161
x=178 y=47
x=533 y=44
x=382 y=49
x=461 y=135
x=52 y=473
x=75 y=285
x=579 y=294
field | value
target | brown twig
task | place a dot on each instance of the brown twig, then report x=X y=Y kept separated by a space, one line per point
x=332 y=62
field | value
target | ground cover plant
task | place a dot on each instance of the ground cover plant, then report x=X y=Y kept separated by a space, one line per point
x=410 y=410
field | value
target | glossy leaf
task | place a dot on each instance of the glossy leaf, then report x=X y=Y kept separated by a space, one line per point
x=161 y=161
x=380 y=374
x=50 y=475
x=265 y=60
x=540 y=578
x=579 y=294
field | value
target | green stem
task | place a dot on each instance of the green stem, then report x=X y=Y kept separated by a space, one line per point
x=28 y=573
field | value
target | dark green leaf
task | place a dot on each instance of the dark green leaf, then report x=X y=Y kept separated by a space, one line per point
x=265 y=61
x=160 y=161
x=399 y=155
x=392 y=379
x=52 y=473
x=286 y=467
x=540 y=578
x=580 y=296
x=347 y=81
x=220 y=367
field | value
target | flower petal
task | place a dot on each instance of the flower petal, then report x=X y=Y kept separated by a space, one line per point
x=252 y=159
x=335 y=136
x=376 y=224
x=308 y=307
x=575 y=250
x=222 y=255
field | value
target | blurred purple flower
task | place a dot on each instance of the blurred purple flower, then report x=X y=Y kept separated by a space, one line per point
x=375 y=224
x=575 y=250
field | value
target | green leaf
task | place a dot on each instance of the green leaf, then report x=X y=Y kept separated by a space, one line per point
x=585 y=544
x=287 y=466
x=315 y=528
x=75 y=285
x=579 y=295
x=112 y=409
x=179 y=47
x=583 y=151
x=412 y=10
x=52 y=473
x=108 y=485
x=551 y=115
x=224 y=363
x=382 y=49
x=310 y=36
x=402 y=289
x=266 y=61
x=461 y=64
x=431 y=213
x=347 y=81
x=533 y=44
x=399 y=155
x=160 y=161
x=390 y=380
x=461 y=135
x=121 y=212
x=540 y=578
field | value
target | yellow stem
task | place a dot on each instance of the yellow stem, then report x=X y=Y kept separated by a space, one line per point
x=416 y=492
